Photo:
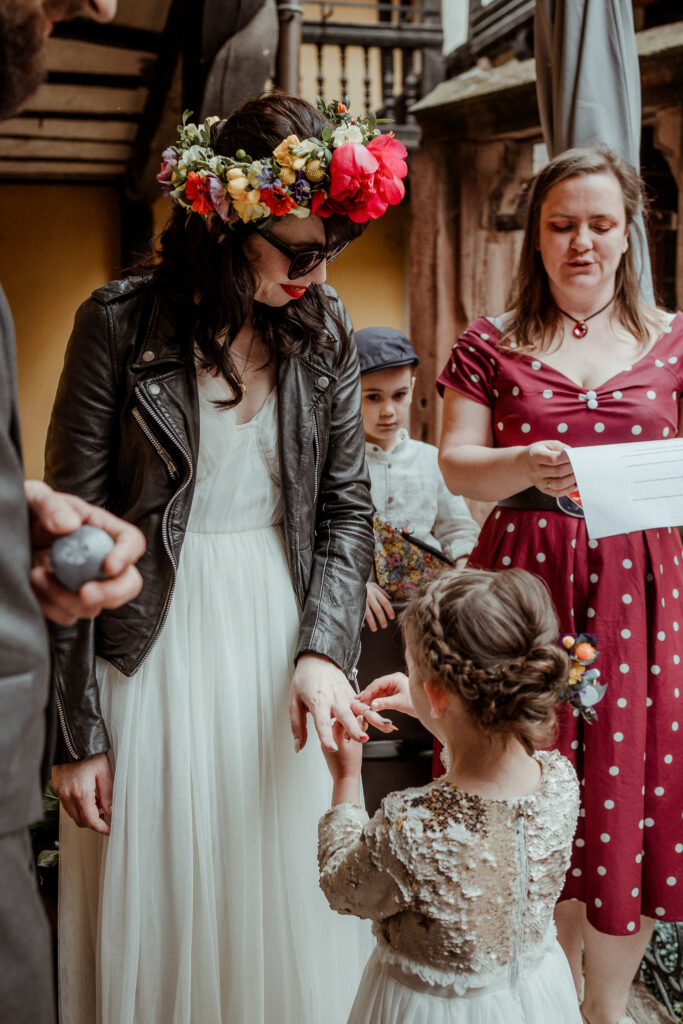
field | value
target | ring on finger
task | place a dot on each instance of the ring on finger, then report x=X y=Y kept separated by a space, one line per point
x=548 y=484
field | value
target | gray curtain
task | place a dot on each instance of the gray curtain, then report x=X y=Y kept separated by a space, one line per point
x=588 y=85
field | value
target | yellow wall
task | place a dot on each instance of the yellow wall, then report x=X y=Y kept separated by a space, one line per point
x=372 y=276
x=57 y=243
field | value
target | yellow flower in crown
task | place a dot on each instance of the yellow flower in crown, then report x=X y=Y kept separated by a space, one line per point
x=248 y=206
x=237 y=182
x=287 y=159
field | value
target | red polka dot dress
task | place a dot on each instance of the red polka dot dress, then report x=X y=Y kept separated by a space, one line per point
x=628 y=590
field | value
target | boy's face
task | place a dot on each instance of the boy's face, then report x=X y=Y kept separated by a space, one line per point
x=387 y=395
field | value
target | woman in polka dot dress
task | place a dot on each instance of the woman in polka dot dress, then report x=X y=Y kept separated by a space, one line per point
x=581 y=360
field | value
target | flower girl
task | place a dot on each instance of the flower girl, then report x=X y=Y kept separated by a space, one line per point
x=461 y=876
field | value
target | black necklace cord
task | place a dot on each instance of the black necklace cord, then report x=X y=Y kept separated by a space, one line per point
x=580 y=328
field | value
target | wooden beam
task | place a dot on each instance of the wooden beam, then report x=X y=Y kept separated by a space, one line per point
x=67 y=54
x=65 y=128
x=100 y=101
x=66 y=170
x=55 y=149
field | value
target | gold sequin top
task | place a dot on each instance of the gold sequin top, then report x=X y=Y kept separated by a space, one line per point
x=459 y=886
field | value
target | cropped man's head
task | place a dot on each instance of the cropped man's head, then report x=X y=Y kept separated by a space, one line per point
x=24 y=28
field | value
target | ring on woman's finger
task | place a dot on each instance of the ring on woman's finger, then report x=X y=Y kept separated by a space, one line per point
x=548 y=484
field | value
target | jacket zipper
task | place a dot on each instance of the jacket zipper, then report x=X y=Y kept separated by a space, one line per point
x=158 y=448
x=62 y=721
x=164 y=522
x=316 y=458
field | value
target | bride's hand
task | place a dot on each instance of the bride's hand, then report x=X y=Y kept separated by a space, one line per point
x=548 y=468
x=85 y=790
x=320 y=686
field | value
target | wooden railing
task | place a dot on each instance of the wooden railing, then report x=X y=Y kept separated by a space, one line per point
x=388 y=53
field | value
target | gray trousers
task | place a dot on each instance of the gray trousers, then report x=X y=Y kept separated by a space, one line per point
x=26 y=995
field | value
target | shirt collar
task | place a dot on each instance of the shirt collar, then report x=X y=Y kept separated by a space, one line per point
x=374 y=449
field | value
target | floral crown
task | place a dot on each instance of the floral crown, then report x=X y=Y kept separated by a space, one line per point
x=353 y=170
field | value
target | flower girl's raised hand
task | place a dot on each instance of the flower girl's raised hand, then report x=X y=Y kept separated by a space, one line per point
x=389 y=693
x=344 y=764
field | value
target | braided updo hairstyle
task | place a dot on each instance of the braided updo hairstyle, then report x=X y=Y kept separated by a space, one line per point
x=491 y=638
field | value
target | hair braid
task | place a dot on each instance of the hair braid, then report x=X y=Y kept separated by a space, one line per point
x=491 y=639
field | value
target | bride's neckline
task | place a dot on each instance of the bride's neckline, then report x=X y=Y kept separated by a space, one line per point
x=212 y=388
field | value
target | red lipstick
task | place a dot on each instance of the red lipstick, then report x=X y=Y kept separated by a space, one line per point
x=293 y=291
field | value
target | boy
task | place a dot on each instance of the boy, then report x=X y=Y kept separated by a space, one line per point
x=406 y=482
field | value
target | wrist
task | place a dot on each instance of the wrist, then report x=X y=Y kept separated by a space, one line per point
x=346 y=790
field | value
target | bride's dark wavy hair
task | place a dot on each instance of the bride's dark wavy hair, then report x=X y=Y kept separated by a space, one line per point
x=204 y=279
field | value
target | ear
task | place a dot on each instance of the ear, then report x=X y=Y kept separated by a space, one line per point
x=437 y=697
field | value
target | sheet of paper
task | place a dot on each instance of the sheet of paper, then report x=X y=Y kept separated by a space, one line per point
x=627 y=487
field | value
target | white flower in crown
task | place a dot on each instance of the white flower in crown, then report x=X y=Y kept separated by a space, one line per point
x=191 y=133
x=346 y=133
x=217 y=165
x=307 y=148
x=254 y=173
x=193 y=155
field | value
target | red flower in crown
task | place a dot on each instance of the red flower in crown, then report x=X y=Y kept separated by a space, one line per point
x=352 y=185
x=391 y=157
x=197 y=191
x=364 y=180
x=277 y=201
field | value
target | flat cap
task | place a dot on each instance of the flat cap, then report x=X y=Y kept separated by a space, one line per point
x=380 y=348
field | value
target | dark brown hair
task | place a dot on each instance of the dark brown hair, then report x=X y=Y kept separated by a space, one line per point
x=535 y=315
x=491 y=638
x=203 y=276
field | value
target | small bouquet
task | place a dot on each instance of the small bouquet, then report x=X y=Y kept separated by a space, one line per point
x=582 y=689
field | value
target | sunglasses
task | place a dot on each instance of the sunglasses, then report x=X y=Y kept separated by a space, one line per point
x=302 y=261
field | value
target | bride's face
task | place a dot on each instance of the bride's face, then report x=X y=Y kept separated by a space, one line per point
x=271 y=266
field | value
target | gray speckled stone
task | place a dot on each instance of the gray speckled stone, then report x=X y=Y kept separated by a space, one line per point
x=77 y=557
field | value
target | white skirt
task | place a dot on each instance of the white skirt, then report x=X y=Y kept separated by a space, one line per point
x=203 y=905
x=543 y=994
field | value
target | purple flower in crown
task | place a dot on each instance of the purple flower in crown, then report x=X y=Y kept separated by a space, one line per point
x=301 y=187
x=169 y=160
x=267 y=180
x=220 y=199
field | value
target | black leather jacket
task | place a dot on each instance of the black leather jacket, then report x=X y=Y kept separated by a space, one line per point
x=124 y=434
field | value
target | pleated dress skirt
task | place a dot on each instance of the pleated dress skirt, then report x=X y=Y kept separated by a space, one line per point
x=203 y=904
x=542 y=992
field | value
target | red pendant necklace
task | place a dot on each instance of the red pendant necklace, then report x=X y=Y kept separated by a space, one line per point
x=580 y=328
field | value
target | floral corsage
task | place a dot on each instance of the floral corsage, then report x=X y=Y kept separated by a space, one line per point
x=582 y=689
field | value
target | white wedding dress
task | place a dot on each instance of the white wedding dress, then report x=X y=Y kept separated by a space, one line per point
x=203 y=905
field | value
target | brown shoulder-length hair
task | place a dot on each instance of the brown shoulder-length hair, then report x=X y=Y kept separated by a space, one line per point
x=491 y=638
x=203 y=276
x=535 y=317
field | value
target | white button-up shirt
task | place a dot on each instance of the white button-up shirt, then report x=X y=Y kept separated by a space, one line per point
x=409 y=491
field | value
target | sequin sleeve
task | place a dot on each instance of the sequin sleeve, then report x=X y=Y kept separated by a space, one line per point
x=472 y=365
x=357 y=871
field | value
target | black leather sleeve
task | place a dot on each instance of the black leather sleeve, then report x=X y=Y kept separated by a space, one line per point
x=342 y=557
x=80 y=447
